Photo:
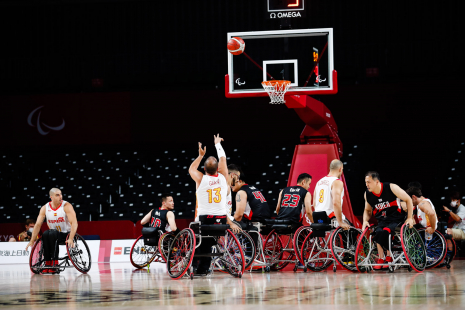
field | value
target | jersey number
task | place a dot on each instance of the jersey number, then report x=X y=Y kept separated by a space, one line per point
x=217 y=197
x=294 y=200
x=157 y=223
x=259 y=196
x=322 y=196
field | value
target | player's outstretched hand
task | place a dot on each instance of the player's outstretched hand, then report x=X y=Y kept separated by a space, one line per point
x=202 y=152
x=410 y=222
x=344 y=225
x=235 y=228
x=217 y=139
x=31 y=243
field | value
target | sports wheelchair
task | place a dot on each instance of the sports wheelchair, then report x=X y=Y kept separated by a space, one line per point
x=226 y=252
x=327 y=243
x=78 y=257
x=407 y=249
x=436 y=247
x=151 y=246
x=283 y=244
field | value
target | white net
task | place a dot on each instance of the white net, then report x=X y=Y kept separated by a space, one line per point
x=276 y=89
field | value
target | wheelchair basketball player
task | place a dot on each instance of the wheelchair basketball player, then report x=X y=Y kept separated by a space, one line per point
x=61 y=220
x=211 y=191
x=164 y=218
x=383 y=200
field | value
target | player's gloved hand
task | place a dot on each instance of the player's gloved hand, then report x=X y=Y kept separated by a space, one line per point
x=70 y=243
x=31 y=243
x=217 y=139
x=430 y=230
x=235 y=228
x=410 y=222
x=365 y=225
x=344 y=225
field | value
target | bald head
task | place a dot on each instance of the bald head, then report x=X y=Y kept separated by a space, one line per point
x=211 y=165
x=335 y=165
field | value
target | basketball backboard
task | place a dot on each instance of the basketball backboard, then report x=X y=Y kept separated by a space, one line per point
x=282 y=55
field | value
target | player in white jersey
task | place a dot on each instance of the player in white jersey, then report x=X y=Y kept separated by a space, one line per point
x=426 y=213
x=61 y=220
x=211 y=192
x=329 y=192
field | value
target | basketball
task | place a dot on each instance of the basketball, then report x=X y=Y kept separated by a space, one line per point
x=236 y=46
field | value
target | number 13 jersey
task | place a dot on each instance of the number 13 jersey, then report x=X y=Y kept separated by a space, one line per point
x=324 y=198
x=212 y=195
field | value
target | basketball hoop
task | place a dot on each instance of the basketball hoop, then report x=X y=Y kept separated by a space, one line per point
x=276 y=89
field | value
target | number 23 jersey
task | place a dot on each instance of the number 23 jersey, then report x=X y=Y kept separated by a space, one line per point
x=292 y=204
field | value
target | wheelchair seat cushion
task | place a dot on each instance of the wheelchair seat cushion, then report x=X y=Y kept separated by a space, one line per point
x=321 y=226
x=151 y=235
x=320 y=217
x=213 y=230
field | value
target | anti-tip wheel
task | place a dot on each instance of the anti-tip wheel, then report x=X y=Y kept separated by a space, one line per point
x=391 y=270
x=334 y=268
x=295 y=268
x=409 y=269
x=305 y=269
x=448 y=266
x=192 y=276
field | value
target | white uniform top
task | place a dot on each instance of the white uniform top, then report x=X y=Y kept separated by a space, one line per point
x=229 y=206
x=57 y=219
x=212 y=195
x=423 y=217
x=324 y=197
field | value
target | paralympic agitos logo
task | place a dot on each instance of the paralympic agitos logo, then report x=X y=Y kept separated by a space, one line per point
x=40 y=125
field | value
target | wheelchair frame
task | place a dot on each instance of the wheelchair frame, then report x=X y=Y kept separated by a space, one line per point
x=154 y=253
x=38 y=265
x=365 y=257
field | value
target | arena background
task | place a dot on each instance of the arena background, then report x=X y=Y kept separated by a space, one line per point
x=149 y=76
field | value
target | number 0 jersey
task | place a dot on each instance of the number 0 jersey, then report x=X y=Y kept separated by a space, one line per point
x=292 y=204
x=211 y=195
x=386 y=206
x=56 y=218
x=257 y=208
x=159 y=220
x=324 y=197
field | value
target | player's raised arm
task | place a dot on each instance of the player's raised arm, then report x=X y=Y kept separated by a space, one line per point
x=367 y=213
x=401 y=194
x=278 y=206
x=195 y=174
x=222 y=163
x=69 y=210
x=37 y=226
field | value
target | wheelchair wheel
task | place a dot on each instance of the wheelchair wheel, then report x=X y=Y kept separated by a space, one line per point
x=36 y=258
x=414 y=248
x=451 y=252
x=233 y=260
x=299 y=238
x=436 y=248
x=181 y=253
x=343 y=244
x=313 y=253
x=366 y=252
x=274 y=251
x=248 y=247
x=164 y=245
x=141 y=255
x=79 y=255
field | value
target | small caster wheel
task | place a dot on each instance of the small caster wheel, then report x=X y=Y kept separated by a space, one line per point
x=391 y=270
x=334 y=268
x=409 y=269
x=267 y=269
x=295 y=268
x=368 y=270
x=240 y=274
x=192 y=276
x=448 y=266
x=305 y=269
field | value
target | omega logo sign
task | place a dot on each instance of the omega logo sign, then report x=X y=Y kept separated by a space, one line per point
x=40 y=125
x=285 y=15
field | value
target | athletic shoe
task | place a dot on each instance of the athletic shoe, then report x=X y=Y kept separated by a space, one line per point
x=387 y=260
x=379 y=261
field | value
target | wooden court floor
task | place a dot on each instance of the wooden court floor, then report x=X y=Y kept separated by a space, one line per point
x=120 y=286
